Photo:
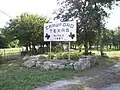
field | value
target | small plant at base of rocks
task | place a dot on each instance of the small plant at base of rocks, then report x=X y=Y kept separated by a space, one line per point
x=64 y=55
x=52 y=55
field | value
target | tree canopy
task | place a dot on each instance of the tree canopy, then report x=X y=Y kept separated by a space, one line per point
x=27 y=28
x=89 y=14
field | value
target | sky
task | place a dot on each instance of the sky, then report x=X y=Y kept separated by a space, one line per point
x=45 y=8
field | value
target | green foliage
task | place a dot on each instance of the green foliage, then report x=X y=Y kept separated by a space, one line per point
x=14 y=44
x=3 y=41
x=52 y=55
x=64 y=55
x=27 y=28
x=90 y=16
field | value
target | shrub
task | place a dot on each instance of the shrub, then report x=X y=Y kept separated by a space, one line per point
x=59 y=55
x=75 y=56
x=64 y=55
x=52 y=55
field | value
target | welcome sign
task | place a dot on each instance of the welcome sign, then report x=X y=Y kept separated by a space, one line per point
x=60 y=31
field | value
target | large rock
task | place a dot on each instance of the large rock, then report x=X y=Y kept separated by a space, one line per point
x=34 y=61
x=39 y=64
x=29 y=63
x=93 y=59
x=48 y=65
x=82 y=64
x=43 y=63
x=56 y=64
x=85 y=62
x=26 y=57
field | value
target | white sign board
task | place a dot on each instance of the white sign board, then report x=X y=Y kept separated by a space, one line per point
x=60 y=31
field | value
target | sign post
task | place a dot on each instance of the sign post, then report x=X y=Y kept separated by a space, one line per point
x=50 y=50
x=69 y=51
x=60 y=31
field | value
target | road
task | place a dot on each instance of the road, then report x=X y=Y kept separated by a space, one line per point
x=107 y=79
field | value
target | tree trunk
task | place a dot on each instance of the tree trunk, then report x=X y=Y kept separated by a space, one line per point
x=86 y=47
x=101 y=47
x=75 y=46
x=34 y=49
x=43 y=48
x=107 y=47
x=110 y=46
x=30 y=48
x=26 y=48
x=90 y=45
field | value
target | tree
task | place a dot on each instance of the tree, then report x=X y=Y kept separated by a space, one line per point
x=3 y=41
x=28 y=29
x=116 y=38
x=90 y=16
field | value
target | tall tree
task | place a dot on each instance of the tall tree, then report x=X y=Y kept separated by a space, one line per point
x=90 y=16
x=27 y=28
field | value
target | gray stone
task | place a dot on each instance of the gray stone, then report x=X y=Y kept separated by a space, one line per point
x=48 y=65
x=26 y=57
x=29 y=63
x=45 y=64
x=35 y=60
x=82 y=64
x=61 y=66
x=38 y=64
x=43 y=57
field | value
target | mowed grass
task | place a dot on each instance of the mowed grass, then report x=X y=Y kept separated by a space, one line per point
x=112 y=53
x=13 y=76
x=9 y=51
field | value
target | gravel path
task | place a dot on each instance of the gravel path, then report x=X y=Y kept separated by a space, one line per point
x=64 y=84
x=108 y=79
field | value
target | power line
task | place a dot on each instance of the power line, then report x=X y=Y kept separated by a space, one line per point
x=5 y=14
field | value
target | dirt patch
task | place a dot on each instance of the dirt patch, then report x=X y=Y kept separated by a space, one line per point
x=116 y=59
x=100 y=81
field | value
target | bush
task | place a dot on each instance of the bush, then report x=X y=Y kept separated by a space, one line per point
x=59 y=55
x=52 y=55
x=64 y=55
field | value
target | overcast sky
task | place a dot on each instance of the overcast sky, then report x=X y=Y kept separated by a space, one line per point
x=42 y=7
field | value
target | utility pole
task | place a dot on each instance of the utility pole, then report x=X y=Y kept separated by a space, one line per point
x=5 y=14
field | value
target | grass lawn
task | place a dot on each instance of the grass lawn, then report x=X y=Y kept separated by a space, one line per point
x=113 y=53
x=9 y=51
x=13 y=76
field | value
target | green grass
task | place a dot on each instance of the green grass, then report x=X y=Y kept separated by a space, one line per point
x=15 y=77
x=10 y=51
x=110 y=54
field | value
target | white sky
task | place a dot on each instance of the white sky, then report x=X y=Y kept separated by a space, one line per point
x=42 y=7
